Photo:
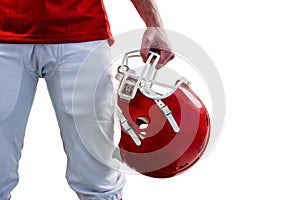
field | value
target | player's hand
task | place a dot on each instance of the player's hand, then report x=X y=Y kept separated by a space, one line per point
x=155 y=39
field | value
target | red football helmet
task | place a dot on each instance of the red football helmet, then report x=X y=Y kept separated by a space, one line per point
x=162 y=134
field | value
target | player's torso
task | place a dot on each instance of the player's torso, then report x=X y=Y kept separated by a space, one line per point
x=37 y=20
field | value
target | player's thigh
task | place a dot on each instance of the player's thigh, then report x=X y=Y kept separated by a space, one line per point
x=16 y=85
x=82 y=84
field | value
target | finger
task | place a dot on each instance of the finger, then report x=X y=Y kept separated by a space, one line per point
x=165 y=57
x=144 y=53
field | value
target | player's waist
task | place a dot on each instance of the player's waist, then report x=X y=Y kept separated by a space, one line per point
x=53 y=29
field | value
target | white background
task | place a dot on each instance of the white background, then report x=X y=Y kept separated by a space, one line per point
x=255 y=45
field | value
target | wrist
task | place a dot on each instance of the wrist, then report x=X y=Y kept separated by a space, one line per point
x=152 y=19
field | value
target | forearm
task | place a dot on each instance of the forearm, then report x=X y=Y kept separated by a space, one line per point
x=154 y=38
x=148 y=11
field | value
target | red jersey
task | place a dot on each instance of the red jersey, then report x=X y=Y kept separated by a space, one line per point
x=52 y=21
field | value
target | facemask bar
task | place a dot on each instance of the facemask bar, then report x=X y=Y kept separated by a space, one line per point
x=143 y=81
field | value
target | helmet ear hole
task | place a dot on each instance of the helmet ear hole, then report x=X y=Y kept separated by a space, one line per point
x=142 y=122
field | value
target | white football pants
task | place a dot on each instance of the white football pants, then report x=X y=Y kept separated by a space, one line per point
x=21 y=66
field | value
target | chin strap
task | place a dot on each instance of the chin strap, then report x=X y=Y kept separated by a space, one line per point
x=168 y=114
x=165 y=109
x=125 y=125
